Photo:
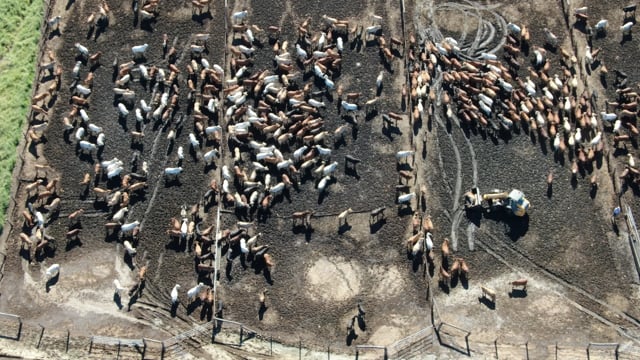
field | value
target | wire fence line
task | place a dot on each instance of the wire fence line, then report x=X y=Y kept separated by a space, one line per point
x=22 y=147
x=149 y=348
x=218 y=331
x=461 y=340
x=634 y=237
x=179 y=345
x=13 y=206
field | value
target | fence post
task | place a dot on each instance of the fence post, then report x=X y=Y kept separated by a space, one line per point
x=66 y=350
x=588 y=355
x=42 y=333
x=19 y=327
x=526 y=349
x=118 y=353
x=162 y=351
x=466 y=340
x=270 y=345
x=144 y=348
x=556 y=350
x=241 y=329
x=300 y=349
x=495 y=345
x=329 y=352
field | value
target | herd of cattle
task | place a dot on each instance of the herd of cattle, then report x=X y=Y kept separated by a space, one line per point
x=519 y=91
x=268 y=121
x=264 y=130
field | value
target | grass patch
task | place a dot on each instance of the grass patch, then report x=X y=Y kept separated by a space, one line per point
x=20 y=22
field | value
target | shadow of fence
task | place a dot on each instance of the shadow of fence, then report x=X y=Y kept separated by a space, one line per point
x=634 y=236
x=462 y=342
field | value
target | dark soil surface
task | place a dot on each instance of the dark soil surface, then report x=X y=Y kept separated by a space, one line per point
x=321 y=273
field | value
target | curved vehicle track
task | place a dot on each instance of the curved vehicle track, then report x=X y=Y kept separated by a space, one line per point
x=584 y=300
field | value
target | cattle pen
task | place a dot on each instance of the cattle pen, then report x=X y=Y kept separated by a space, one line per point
x=300 y=169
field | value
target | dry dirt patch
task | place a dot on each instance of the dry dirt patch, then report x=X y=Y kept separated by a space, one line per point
x=333 y=279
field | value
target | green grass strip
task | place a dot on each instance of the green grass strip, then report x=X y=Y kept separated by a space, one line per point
x=20 y=22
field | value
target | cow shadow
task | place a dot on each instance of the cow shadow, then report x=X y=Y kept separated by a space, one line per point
x=24 y=253
x=206 y=312
x=51 y=282
x=228 y=269
x=488 y=303
x=147 y=24
x=193 y=305
x=454 y=281
x=54 y=33
x=518 y=293
x=174 y=309
x=200 y=18
x=128 y=259
x=323 y=195
x=375 y=227
x=261 y=311
x=168 y=183
x=300 y=229
x=351 y=336
x=117 y=300
x=390 y=130
x=444 y=287
x=361 y=323
x=71 y=244
x=416 y=262
x=351 y=171
x=101 y=27
x=344 y=228
x=404 y=211
x=122 y=121
x=267 y=275
x=465 y=282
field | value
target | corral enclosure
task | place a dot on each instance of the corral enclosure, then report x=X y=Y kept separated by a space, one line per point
x=580 y=271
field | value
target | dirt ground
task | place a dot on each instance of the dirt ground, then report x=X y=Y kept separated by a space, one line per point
x=583 y=269
x=582 y=281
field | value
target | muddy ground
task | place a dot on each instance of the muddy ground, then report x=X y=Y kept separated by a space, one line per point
x=580 y=271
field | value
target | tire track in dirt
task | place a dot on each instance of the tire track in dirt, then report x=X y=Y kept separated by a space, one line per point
x=434 y=32
x=156 y=187
x=583 y=300
x=486 y=31
x=471 y=227
x=154 y=149
x=456 y=213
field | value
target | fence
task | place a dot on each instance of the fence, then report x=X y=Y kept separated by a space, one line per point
x=461 y=340
x=10 y=212
x=634 y=237
x=178 y=346
x=173 y=345
x=3 y=257
x=375 y=348
x=118 y=342
x=608 y=347
x=11 y=319
x=7 y=227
